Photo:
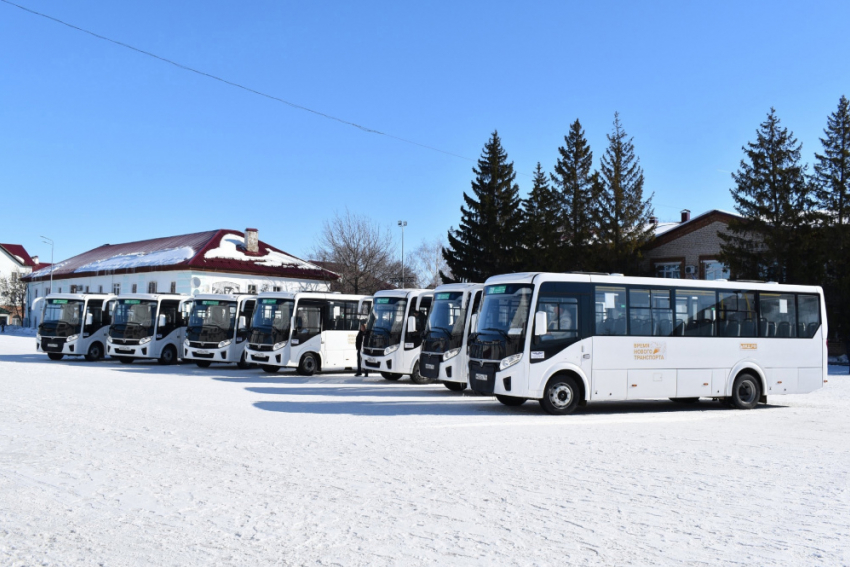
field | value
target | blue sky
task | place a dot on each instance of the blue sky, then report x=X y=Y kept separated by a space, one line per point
x=100 y=144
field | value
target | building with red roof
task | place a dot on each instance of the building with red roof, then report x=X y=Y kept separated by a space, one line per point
x=215 y=261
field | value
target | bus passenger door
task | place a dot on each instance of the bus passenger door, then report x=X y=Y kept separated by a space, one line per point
x=307 y=332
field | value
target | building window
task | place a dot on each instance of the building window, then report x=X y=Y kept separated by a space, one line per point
x=134 y=288
x=668 y=270
x=100 y=289
x=173 y=287
x=252 y=288
x=714 y=270
x=276 y=288
x=116 y=289
x=36 y=292
x=151 y=287
x=60 y=289
x=87 y=289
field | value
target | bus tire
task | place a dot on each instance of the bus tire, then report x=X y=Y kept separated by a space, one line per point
x=684 y=400
x=390 y=376
x=271 y=369
x=124 y=359
x=95 y=352
x=561 y=395
x=746 y=391
x=203 y=363
x=243 y=362
x=416 y=377
x=55 y=355
x=511 y=401
x=308 y=364
x=168 y=356
x=455 y=386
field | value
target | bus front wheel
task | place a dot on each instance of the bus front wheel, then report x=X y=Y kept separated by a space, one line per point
x=308 y=365
x=561 y=395
x=203 y=363
x=55 y=355
x=269 y=368
x=390 y=376
x=95 y=352
x=746 y=391
x=416 y=377
x=455 y=386
x=243 y=362
x=168 y=356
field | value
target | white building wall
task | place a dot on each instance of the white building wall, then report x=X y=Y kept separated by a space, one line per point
x=186 y=281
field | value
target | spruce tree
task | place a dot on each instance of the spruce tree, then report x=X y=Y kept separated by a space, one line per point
x=540 y=218
x=773 y=239
x=487 y=241
x=624 y=225
x=577 y=187
x=832 y=191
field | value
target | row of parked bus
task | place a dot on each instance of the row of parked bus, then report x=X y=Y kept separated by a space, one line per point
x=562 y=339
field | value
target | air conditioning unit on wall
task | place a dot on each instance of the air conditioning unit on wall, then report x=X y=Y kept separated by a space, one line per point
x=691 y=270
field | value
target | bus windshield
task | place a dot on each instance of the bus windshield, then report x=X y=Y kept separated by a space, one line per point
x=502 y=322
x=211 y=320
x=444 y=329
x=386 y=322
x=133 y=319
x=271 y=322
x=62 y=318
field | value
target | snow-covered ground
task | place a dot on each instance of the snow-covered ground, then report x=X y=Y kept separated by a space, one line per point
x=107 y=464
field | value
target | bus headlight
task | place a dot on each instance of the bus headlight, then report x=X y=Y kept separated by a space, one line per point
x=37 y=337
x=72 y=338
x=109 y=339
x=224 y=343
x=510 y=361
x=185 y=342
x=449 y=354
x=144 y=341
x=274 y=347
x=390 y=349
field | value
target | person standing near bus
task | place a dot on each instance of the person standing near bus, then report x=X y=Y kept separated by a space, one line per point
x=358 y=343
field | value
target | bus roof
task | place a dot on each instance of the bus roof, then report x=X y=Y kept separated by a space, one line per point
x=310 y=294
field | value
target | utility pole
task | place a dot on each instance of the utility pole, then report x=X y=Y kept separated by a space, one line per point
x=402 y=224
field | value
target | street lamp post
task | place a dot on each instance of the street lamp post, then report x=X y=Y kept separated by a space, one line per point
x=402 y=224
x=49 y=241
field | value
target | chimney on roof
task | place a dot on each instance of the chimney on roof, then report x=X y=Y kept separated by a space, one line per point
x=252 y=241
x=686 y=215
x=653 y=221
x=35 y=260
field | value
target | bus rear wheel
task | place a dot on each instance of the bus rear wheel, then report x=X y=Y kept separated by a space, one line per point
x=455 y=386
x=55 y=355
x=203 y=363
x=390 y=376
x=684 y=400
x=561 y=395
x=168 y=356
x=511 y=401
x=416 y=377
x=95 y=352
x=269 y=368
x=746 y=391
x=308 y=365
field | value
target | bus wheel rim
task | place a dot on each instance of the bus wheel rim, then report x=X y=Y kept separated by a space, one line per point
x=746 y=391
x=561 y=395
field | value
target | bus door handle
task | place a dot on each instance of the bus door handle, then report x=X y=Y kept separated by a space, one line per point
x=586 y=356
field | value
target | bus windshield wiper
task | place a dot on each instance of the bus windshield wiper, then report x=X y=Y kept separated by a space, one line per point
x=500 y=331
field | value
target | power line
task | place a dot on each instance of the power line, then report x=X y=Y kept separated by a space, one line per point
x=237 y=85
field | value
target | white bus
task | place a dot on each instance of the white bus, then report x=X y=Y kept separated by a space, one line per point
x=444 y=344
x=73 y=324
x=393 y=338
x=148 y=325
x=569 y=339
x=307 y=330
x=218 y=329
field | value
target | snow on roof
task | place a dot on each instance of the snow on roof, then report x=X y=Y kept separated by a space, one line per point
x=663 y=227
x=229 y=249
x=215 y=250
x=139 y=260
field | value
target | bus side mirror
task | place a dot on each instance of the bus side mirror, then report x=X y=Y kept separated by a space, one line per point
x=162 y=321
x=89 y=319
x=473 y=323
x=464 y=301
x=241 y=322
x=411 y=324
x=541 y=323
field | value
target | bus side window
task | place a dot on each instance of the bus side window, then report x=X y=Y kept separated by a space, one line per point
x=695 y=310
x=808 y=315
x=610 y=310
x=778 y=315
